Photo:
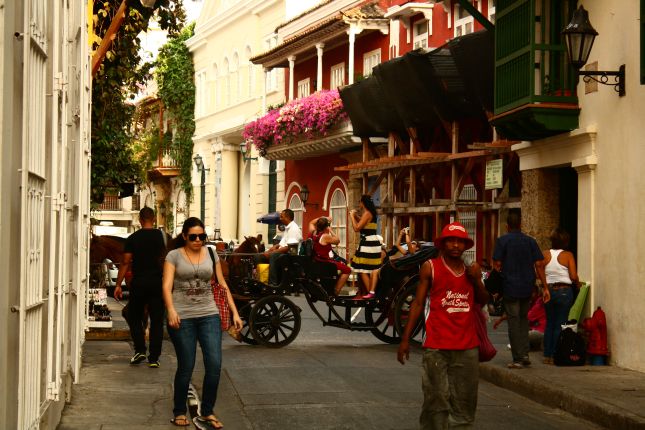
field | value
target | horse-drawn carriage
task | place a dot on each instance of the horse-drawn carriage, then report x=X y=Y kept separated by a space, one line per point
x=272 y=319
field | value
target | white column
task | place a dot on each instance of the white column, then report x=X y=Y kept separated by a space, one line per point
x=352 y=39
x=319 y=76
x=292 y=63
x=264 y=93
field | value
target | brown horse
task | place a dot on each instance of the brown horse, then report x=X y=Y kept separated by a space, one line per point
x=239 y=264
x=102 y=247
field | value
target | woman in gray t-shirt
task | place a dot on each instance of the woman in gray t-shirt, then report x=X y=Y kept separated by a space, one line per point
x=193 y=316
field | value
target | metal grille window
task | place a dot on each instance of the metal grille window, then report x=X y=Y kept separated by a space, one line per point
x=370 y=60
x=304 y=88
x=469 y=220
x=338 y=213
x=295 y=204
x=337 y=76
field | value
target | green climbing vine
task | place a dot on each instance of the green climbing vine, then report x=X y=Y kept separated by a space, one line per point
x=174 y=74
x=122 y=72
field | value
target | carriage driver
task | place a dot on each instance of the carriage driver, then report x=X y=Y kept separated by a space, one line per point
x=292 y=235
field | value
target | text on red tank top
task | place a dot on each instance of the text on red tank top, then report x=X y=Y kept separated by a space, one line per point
x=449 y=317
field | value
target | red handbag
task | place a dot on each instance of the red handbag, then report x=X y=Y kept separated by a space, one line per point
x=221 y=300
x=486 y=348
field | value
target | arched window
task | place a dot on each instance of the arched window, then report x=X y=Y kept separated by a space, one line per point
x=295 y=204
x=215 y=89
x=250 y=73
x=227 y=82
x=338 y=214
x=235 y=77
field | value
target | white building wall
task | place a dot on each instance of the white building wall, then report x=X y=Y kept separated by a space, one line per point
x=227 y=34
x=617 y=227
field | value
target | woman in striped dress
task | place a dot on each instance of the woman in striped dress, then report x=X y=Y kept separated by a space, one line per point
x=368 y=255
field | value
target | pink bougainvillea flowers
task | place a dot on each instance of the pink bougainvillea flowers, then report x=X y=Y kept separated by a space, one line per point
x=305 y=118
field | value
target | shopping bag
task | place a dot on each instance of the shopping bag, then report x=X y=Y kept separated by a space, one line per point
x=486 y=348
x=579 y=304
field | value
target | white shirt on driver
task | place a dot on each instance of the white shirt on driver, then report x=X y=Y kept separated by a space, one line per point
x=292 y=234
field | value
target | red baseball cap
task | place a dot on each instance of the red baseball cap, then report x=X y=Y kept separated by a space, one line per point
x=454 y=229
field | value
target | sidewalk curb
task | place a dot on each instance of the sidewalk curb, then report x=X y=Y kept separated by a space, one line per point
x=112 y=334
x=557 y=397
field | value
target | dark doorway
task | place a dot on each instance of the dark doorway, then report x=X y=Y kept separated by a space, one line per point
x=569 y=205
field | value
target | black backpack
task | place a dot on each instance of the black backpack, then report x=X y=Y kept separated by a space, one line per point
x=569 y=349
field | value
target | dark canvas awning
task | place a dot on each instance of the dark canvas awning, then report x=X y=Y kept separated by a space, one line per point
x=371 y=113
x=422 y=89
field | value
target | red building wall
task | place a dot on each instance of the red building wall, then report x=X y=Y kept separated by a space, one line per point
x=316 y=174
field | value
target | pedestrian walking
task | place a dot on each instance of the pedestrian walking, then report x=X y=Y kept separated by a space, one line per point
x=447 y=290
x=144 y=250
x=194 y=317
x=561 y=278
x=518 y=257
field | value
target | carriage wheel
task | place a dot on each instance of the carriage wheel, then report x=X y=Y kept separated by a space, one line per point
x=402 y=311
x=274 y=321
x=382 y=318
x=244 y=312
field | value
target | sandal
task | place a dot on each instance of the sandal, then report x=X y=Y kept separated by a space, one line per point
x=208 y=423
x=180 y=421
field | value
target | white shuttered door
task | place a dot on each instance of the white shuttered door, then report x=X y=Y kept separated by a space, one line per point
x=32 y=213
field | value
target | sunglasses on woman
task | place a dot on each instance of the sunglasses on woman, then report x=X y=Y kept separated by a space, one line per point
x=193 y=237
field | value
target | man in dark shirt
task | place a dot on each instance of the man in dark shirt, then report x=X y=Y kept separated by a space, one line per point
x=518 y=257
x=145 y=250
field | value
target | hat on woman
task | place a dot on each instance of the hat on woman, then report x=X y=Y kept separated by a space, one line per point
x=454 y=229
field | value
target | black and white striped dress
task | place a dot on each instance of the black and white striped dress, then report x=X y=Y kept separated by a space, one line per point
x=368 y=255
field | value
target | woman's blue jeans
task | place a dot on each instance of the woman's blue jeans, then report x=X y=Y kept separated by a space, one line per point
x=557 y=313
x=208 y=332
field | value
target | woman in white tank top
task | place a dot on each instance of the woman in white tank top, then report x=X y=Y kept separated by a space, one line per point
x=562 y=278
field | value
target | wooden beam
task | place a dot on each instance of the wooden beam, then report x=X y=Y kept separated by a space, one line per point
x=376 y=184
x=415 y=145
x=366 y=146
x=462 y=178
x=106 y=42
x=390 y=144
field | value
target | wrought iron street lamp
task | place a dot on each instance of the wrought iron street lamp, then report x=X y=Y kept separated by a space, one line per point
x=580 y=35
x=304 y=194
x=244 y=151
x=199 y=163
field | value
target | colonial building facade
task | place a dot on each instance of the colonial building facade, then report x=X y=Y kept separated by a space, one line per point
x=231 y=186
x=339 y=44
x=581 y=148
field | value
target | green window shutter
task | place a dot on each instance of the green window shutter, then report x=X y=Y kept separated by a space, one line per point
x=513 y=54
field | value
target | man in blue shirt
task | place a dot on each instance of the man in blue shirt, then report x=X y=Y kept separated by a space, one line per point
x=518 y=257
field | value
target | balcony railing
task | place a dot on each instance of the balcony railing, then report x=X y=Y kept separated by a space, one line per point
x=111 y=203
x=165 y=159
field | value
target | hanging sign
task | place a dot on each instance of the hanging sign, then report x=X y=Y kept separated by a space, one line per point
x=494 y=174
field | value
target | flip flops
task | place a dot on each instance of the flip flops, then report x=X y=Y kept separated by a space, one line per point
x=180 y=421
x=208 y=423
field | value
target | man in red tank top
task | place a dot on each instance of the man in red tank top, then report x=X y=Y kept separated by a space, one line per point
x=447 y=291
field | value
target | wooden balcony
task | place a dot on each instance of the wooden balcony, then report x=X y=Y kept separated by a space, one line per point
x=165 y=166
x=111 y=203
x=534 y=83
